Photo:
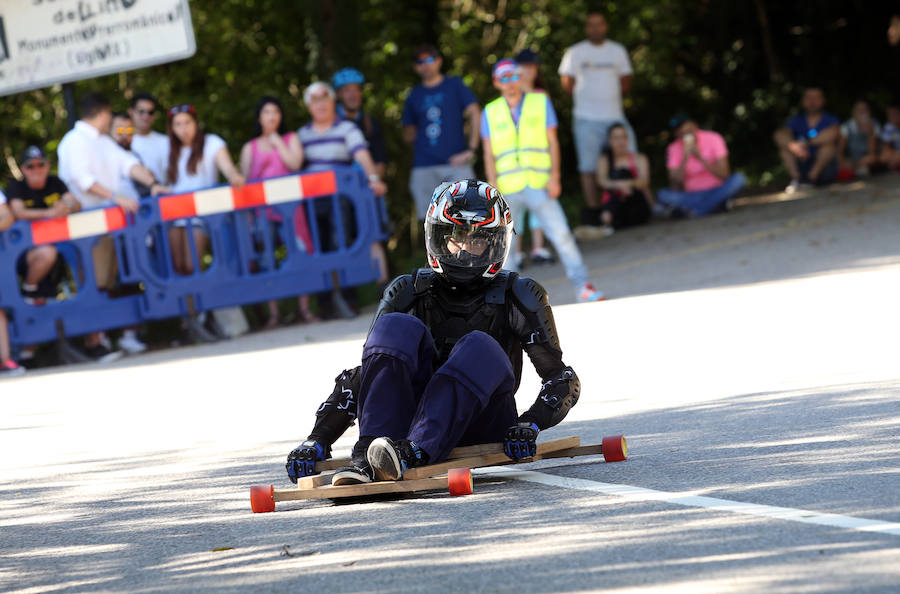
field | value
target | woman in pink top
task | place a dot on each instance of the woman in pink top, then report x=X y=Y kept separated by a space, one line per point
x=699 y=173
x=271 y=153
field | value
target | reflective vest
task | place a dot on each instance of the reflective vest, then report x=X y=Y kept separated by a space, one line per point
x=522 y=155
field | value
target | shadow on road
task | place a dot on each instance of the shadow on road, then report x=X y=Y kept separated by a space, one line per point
x=153 y=522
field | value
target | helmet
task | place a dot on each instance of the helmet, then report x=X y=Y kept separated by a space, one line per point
x=347 y=76
x=467 y=231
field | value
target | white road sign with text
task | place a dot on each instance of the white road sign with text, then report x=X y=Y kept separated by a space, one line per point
x=45 y=42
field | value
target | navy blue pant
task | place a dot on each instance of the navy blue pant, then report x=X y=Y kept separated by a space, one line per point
x=468 y=400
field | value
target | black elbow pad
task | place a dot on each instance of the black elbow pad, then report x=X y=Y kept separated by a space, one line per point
x=536 y=324
x=337 y=413
x=557 y=396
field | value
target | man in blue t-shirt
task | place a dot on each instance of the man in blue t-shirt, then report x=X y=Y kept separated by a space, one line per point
x=434 y=117
x=807 y=144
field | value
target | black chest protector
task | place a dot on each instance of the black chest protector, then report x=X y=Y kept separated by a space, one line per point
x=451 y=313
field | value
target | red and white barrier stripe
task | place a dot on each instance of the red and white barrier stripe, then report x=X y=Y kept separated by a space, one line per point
x=192 y=204
x=78 y=225
x=262 y=193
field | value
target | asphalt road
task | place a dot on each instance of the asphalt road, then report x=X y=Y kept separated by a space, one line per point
x=750 y=358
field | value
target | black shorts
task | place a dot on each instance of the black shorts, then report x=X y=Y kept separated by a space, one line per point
x=47 y=286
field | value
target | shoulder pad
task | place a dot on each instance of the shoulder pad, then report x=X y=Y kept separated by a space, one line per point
x=422 y=279
x=530 y=294
x=400 y=294
x=496 y=292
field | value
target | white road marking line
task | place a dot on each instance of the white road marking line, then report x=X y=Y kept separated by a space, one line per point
x=750 y=509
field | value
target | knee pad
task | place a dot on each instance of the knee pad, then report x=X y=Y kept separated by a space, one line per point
x=399 y=335
x=479 y=361
x=476 y=348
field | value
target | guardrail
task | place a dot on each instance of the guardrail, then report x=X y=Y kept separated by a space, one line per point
x=260 y=251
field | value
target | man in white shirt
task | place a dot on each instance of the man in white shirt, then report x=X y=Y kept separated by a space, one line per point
x=91 y=164
x=148 y=144
x=597 y=72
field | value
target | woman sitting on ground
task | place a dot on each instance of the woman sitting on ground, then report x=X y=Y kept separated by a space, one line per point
x=625 y=179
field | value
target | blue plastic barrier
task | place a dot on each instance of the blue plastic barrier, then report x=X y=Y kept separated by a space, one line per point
x=246 y=228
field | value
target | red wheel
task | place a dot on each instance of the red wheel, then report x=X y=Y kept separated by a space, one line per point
x=262 y=498
x=459 y=481
x=614 y=448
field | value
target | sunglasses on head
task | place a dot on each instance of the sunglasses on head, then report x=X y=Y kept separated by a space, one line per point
x=146 y=112
x=35 y=165
x=508 y=78
x=186 y=108
x=125 y=130
x=426 y=60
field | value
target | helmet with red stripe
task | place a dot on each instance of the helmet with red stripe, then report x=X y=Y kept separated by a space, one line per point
x=467 y=231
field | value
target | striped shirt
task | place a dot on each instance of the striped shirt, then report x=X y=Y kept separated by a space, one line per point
x=333 y=147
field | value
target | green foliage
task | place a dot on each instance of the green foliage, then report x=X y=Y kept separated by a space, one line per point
x=702 y=56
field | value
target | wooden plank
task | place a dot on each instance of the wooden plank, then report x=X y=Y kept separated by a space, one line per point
x=332 y=464
x=457 y=453
x=319 y=486
x=588 y=450
x=463 y=452
x=476 y=450
x=489 y=459
x=317 y=480
x=311 y=482
x=363 y=490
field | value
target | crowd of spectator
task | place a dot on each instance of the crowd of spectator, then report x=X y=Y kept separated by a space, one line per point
x=817 y=149
x=118 y=158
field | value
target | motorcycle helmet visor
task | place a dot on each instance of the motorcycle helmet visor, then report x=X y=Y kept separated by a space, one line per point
x=467 y=246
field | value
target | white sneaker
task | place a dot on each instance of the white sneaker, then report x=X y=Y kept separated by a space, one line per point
x=130 y=344
x=591 y=232
x=104 y=340
x=797 y=186
x=542 y=256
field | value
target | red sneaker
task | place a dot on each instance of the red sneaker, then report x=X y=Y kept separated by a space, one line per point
x=588 y=293
x=10 y=368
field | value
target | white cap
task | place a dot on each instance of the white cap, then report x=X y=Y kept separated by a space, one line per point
x=315 y=88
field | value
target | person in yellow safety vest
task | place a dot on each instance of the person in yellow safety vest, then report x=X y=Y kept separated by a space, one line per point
x=521 y=158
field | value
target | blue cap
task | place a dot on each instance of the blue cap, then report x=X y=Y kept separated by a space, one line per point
x=347 y=76
x=33 y=152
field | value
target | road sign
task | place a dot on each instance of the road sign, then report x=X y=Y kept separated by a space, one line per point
x=45 y=42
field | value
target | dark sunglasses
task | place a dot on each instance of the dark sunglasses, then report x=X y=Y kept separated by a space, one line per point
x=186 y=108
x=428 y=60
x=35 y=165
x=148 y=112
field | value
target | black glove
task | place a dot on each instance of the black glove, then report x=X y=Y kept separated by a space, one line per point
x=302 y=460
x=520 y=441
